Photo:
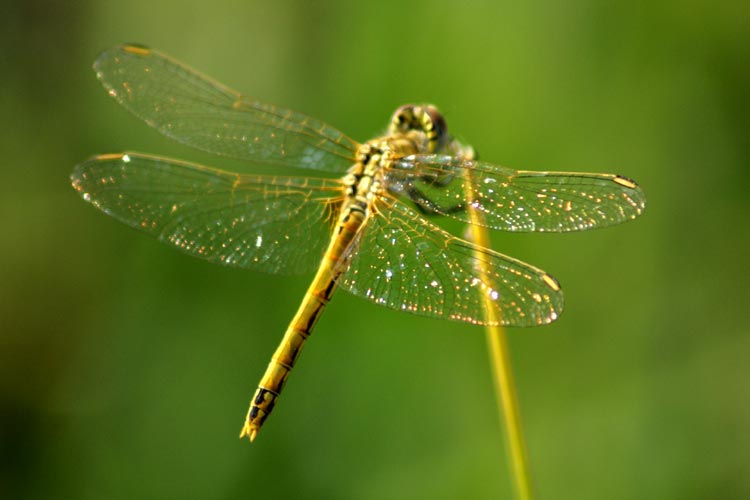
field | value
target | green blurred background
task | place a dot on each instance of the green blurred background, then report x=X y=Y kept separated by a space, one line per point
x=126 y=367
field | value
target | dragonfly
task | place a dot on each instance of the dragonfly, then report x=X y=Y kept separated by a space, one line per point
x=366 y=225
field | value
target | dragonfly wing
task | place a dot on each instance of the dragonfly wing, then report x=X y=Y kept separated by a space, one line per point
x=272 y=224
x=406 y=263
x=200 y=112
x=517 y=200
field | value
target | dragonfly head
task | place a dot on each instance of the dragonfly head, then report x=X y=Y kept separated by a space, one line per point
x=424 y=119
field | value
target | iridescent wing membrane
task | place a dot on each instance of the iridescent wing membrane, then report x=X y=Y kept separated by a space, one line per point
x=517 y=200
x=409 y=264
x=282 y=224
x=266 y=223
x=195 y=110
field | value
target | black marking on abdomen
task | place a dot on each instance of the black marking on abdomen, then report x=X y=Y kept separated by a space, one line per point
x=316 y=313
x=260 y=397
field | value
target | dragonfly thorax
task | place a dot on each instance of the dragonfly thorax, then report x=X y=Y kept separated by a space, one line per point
x=413 y=130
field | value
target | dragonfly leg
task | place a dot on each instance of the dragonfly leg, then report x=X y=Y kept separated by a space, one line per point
x=428 y=207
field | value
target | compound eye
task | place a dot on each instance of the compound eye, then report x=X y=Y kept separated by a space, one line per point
x=403 y=119
x=437 y=129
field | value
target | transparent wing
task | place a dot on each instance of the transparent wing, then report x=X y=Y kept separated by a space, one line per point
x=271 y=224
x=516 y=200
x=404 y=262
x=200 y=112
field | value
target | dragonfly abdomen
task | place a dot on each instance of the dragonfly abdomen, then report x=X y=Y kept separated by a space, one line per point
x=331 y=267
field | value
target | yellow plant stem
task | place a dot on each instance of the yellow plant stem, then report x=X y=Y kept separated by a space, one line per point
x=503 y=375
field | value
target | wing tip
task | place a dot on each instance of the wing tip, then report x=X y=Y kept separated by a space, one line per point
x=634 y=195
x=551 y=282
x=625 y=182
x=135 y=49
x=80 y=176
x=109 y=156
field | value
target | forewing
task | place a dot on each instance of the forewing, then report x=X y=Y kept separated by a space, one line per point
x=271 y=224
x=517 y=200
x=406 y=263
x=200 y=112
